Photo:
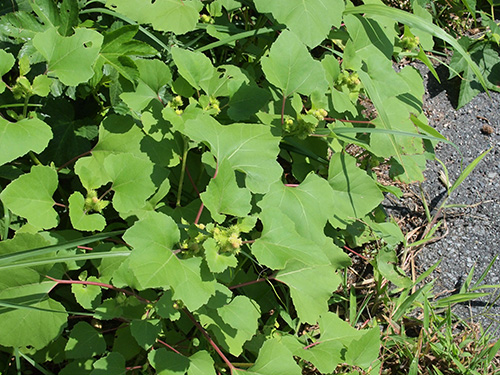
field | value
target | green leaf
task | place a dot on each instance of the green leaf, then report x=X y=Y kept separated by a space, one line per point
x=355 y=193
x=337 y=338
x=118 y=47
x=246 y=101
x=193 y=66
x=311 y=21
x=88 y=296
x=310 y=287
x=30 y=196
x=68 y=17
x=41 y=85
x=178 y=16
x=274 y=359
x=7 y=61
x=112 y=364
x=153 y=75
x=82 y=220
x=131 y=178
x=291 y=68
x=167 y=362
x=155 y=265
x=223 y=196
x=309 y=206
x=248 y=148
x=117 y=134
x=232 y=324
x=165 y=307
x=217 y=262
x=71 y=58
x=47 y=11
x=280 y=243
x=145 y=332
x=84 y=342
x=417 y=23
x=18 y=138
x=386 y=264
x=201 y=363
x=19 y=27
x=33 y=319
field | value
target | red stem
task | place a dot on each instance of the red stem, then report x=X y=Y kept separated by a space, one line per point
x=192 y=182
x=209 y=339
x=170 y=347
x=85 y=248
x=74 y=159
x=102 y=285
x=272 y=277
x=311 y=345
x=60 y=205
x=283 y=110
x=359 y=255
x=198 y=215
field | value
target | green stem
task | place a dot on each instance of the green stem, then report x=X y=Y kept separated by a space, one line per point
x=6 y=222
x=26 y=105
x=183 y=171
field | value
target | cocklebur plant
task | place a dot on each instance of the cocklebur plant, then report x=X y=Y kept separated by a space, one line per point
x=161 y=212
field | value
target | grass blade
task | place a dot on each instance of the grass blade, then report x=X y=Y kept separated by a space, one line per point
x=65 y=258
x=10 y=258
x=468 y=170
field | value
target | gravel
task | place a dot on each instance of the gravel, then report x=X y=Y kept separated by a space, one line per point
x=472 y=236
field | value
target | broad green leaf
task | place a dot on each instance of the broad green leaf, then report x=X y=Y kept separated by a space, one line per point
x=291 y=68
x=367 y=38
x=417 y=23
x=84 y=342
x=232 y=324
x=18 y=138
x=274 y=359
x=193 y=66
x=178 y=16
x=30 y=196
x=7 y=61
x=337 y=338
x=112 y=364
x=145 y=332
x=30 y=317
x=153 y=75
x=310 y=287
x=117 y=134
x=78 y=367
x=309 y=206
x=223 y=196
x=167 y=362
x=41 y=85
x=246 y=101
x=248 y=148
x=47 y=11
x=390 y=94
x=217 y=262
x=20 y=27
x=386 y=263
x=131 y=178
x=88 y=296
x=82 y=220
x=68 y=17
x=118 y=48
x=355 y=193
x=280 y=243
x=201 y=363
x=156 y=266
x=310 y=20
x=165 y=307
x=70 y=58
